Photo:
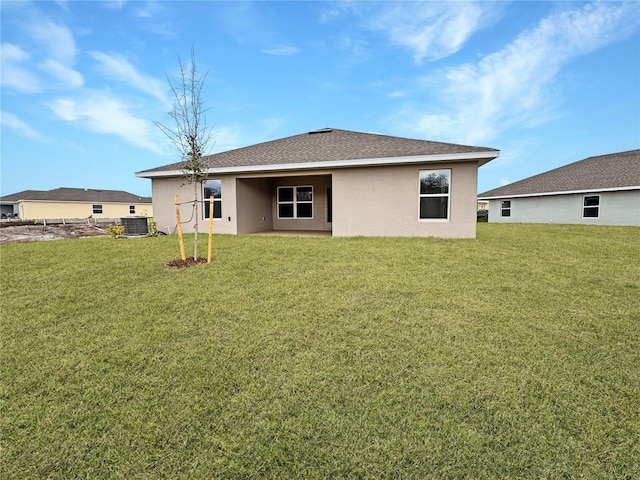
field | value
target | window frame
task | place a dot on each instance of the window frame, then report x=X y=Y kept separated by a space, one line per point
x=446 y=195
x=132 y=209
x=505 y=210
x=96 y=209
x=216 y=200
x=586 y=207
x=294 y=202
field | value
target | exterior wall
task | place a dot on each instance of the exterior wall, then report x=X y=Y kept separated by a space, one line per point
x=318 y=222
x=37 y=210
x=255 y=211
x=616 y=208
x=384 y=201
x=163 y=191
x=373 y=201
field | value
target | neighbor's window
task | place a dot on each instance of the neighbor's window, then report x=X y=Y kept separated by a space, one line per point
x=212 y=188
x=295 y=202
x=434 y=194
x=591 y=206
x=132 y=209
x=97 y=209
x=505 y=208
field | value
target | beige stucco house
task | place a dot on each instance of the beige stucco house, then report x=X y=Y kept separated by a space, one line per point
x=74 y=203
x=335 y=181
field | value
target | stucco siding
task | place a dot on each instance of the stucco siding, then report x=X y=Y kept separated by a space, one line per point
x=384 y=201
x=163 y=192
x=38 y=210
x=616 y=208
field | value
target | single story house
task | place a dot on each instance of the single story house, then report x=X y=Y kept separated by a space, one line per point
x=335 y=181
x=602 y=190
x=70 y=203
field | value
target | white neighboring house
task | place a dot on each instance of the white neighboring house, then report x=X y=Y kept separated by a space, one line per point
x=601 y=190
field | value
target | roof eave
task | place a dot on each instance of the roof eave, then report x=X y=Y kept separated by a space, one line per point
x=565 y=192
x=482 y=158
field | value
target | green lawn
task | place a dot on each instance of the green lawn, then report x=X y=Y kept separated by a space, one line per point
x=515 y=355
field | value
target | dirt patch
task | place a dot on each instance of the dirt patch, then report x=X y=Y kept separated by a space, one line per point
x=188 y=262
x=35 y=233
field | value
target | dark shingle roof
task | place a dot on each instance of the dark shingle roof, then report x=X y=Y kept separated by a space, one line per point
x=327 y=145
x=23 y=195
x=604 y=172
x=77 y=195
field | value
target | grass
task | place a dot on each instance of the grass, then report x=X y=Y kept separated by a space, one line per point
x=515 y=355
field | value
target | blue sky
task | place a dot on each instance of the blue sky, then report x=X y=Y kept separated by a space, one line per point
x=546 y=83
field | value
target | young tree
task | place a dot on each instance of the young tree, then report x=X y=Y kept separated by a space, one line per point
x=191 y=134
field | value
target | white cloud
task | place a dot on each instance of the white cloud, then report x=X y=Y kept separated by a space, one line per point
x=119 y=68
x=14 y=73
x=282 y=50
x=66 y=76
x=102 y=113
x=57 y=40
x=13 y=122
x=512 y=85
x=433 y=30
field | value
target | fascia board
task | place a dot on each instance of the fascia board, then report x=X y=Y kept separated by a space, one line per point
x=482 y=157
x=567 y=192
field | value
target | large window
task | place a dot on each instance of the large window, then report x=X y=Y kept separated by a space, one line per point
x=212 y=188
x=295 y=202
x=591 y=206
x=434 y=194
x=505 y=208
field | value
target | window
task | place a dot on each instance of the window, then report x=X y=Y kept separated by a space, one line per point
x=591 y=206
x=132 y=209
x=295 y=202
x=505 y=208
x=97 y=209
x=212 y=188
x=434 y=194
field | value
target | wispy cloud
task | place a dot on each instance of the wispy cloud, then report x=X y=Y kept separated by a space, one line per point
x=15 y=71
x=118 y=68
x=56 y=40
x=102 y=113
x=433 y=30
x=282 y=50
x=67 y=77
x=512 y=85
x=12 y=121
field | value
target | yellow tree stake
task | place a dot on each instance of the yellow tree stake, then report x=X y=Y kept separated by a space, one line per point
x=210 y=228
x=182 y=255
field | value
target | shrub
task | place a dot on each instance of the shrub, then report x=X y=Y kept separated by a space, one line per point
x=115 y=231
x=153 y=228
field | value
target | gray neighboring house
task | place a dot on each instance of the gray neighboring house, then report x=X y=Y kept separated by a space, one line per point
x=601 y=190
x=338 y=182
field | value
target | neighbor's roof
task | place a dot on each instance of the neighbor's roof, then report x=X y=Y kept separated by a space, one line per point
x=614 y=171
x=330 y=148
x=76 y=195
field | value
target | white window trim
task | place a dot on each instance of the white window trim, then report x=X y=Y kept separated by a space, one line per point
x=294 y=202
x=590 y=206
x=206 y=200
x=426 y=195
x=502 y=215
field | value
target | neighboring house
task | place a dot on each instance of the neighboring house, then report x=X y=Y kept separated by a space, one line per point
x=338 y=181
x=69 y=203
x=603 y=190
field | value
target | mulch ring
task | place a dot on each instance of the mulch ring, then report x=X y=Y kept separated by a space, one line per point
x=189 y=262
